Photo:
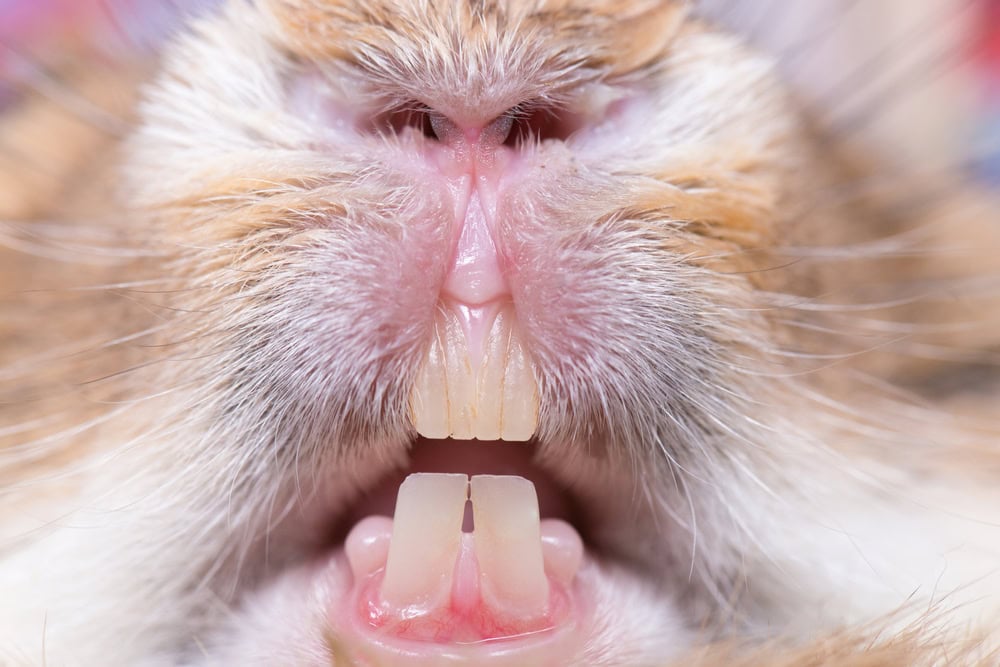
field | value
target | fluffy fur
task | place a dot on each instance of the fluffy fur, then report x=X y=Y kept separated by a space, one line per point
x=756 y=366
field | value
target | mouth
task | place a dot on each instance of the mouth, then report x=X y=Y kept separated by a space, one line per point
x=481 y=556
x=473 y=552
x=488 y=454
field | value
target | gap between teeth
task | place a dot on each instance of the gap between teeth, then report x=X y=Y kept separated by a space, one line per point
x=475 y=383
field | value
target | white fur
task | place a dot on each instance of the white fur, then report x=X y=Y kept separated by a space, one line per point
x=738 y=510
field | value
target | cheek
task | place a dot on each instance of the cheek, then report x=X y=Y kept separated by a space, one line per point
x=383 y=274
x=337 y=314
x=581 y=284
x=621 y=329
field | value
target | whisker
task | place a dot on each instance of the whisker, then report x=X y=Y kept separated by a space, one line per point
x=860 y=76
x=37 y=79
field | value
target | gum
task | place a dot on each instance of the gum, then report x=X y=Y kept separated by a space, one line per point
x=461 y=617
x=458 y=616
x=452 y=632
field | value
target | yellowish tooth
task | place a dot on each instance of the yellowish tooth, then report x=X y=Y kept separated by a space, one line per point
x=491 y=372
x=462 y=413
x=429 y=398
x=519 y=414
x=496 y=399
x=426 y=536
x=509 y=545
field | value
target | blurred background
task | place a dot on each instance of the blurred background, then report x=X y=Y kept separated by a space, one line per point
x=919 y=78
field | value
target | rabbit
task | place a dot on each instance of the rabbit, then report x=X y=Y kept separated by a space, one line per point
x=511 y=332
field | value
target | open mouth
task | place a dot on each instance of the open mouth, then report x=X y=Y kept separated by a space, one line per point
x=480 y=554
x=472 y=552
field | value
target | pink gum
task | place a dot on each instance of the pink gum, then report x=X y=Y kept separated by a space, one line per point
x=461 y=615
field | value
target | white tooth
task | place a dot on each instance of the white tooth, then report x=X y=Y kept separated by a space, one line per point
x=509 y=545
x=519 y=415
x=429 y=398
x=496 y=398
x=426 y=536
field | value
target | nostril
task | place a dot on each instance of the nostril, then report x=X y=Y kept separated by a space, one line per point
x=427 y=126
x=498 y=131
x=538 y=123
x=415 y=116
x=519 y=125
x=444 y=129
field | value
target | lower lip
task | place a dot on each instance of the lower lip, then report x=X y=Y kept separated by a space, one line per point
x=355 y=637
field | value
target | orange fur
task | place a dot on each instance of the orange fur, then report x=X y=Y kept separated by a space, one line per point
x=748 y=212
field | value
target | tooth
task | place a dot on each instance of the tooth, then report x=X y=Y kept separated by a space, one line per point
x=509 y=544
x=461 y=380
x=491 y=372
x=465 y=393
x=519 y=415
x=429 y=398
x=426 y=536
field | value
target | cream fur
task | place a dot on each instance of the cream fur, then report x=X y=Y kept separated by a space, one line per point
x=729 y=405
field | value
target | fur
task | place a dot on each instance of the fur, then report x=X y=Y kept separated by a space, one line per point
x=756 y=366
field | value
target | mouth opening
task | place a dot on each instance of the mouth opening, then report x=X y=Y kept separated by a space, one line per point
x=468 y=457
x=471 y=543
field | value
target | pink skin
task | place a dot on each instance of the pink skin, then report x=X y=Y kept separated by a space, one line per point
x=470 y=163
x=350 y=619
x=472 y=160
x=463 y=615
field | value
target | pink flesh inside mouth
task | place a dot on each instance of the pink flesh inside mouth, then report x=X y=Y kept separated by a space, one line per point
x=466 y=571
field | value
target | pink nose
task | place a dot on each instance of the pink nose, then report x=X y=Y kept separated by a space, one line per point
x=476 y=275
x=472 y=140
